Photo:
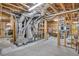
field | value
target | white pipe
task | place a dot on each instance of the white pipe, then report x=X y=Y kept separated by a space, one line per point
x=35 y=6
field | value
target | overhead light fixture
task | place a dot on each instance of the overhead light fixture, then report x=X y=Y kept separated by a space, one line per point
x=35 y=6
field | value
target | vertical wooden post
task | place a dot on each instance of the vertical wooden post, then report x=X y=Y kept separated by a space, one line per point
x=14 y=29
x=14 y=33
x=58 y=39
x=58 y=36
x=65 y=39
x=71 y=31
x=65 y=36
x=45 y=29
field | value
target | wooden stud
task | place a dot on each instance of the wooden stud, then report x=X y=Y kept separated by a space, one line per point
x=65 y=39
x=17 y=7
x=45 y=29
x=58 y=36
x=10 y=9
x=63 y=7
x=14 y=29
x=71 y=30
x=65 y=36
x=14 y=33
x=53 y=9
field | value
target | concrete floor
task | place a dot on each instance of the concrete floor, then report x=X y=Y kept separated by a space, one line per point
x=4 y=43
x=44 y=48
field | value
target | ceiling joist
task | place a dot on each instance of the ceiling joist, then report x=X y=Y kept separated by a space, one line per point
x=17 y=7
x=53 y=9
x=63 y=7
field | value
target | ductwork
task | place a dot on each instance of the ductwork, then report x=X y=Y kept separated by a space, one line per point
x=26 y=27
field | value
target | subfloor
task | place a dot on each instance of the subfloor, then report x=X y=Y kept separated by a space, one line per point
x=44 y=48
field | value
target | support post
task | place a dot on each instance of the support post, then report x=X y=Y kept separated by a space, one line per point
x=45 y=29
x=14 y=33
x=58 y=36
x=65 y=39
x=14 y=29
x=71 y=33
x=65 y=36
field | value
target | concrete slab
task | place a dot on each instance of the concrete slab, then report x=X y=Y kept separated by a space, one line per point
x=15 y=48
x=44 y=48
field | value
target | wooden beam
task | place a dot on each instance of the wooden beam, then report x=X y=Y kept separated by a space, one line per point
x=70 y=11
x=63 y=7
x=25 y=5
x=73 y=7
x=17 y=7
x=71 y=31
x=65 y=41
x=53 y=9
x=9 y=8
x=58 y=36
x=45 y=29
x=5 y=20
x=4 y=17
x=14 y=29
x=4 y=14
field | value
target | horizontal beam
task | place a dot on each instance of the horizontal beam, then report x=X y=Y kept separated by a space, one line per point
x=2 y=17
x=63 y=7
x=17 y=7
x=5 y=20
x=60 y=13
x=25 y=5
x=70 y=11
x=11 y=9
x=5 y=11
x=4 y=14
x=53 y=9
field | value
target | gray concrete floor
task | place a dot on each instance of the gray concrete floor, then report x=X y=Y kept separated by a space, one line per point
x=4 y=43
x=44 y=48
